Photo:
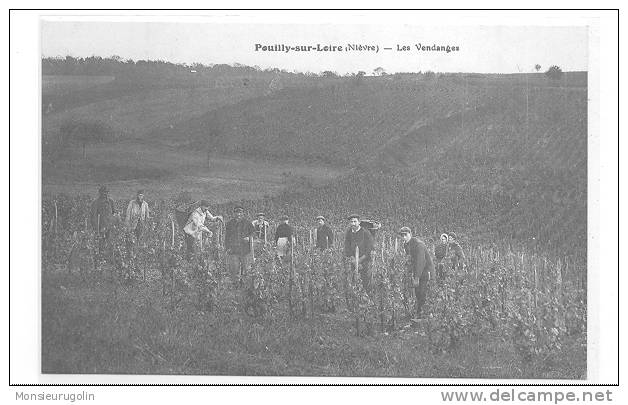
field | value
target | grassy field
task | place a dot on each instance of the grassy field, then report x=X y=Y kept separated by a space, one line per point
x=57 y=84
x=164 y=172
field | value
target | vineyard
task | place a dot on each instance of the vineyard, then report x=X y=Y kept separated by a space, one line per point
x=339 y=123
x=500 y=161
x=533 y=308
x=404 y=121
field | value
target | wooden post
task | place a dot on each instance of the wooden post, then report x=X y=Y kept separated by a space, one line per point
x=251 y=248
x=216 y=240
x=143 y=270
x=535 y=285
x=98 y=243
x=544 y=265
x=56 y=218
x=393 y=287
x=291 y=280
x=357 y=281
x=382 y=248
x=396 y=245
x=357 y=261
x=381 y=306
x=173 y=290
x=172 y=233
x=310 y=237
x=559 y=281
x=311 y=284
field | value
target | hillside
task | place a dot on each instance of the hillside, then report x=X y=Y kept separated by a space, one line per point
x=133 y=113
x=498 y=156
x=341 y=123
x=473 y=159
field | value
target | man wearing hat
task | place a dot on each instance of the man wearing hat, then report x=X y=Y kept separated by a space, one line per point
x=324 y=234
x=283 y=236
x=420 y=266
x=195 y=226
x=102 y=212
x=137 y=213
x=360 y=240
x=239 y=233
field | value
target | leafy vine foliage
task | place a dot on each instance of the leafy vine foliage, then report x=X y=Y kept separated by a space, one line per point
x=523 y=298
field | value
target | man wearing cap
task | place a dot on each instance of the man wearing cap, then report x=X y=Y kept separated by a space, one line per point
x=137 y=213
x=457 y=259
x=360 y=240
x=239 y=233
x=420 y=266
x=283 y=236
x=324 y=234
x=102 y=212
x=195 y=226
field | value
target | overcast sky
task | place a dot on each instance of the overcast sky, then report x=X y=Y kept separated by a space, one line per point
x=483 y=49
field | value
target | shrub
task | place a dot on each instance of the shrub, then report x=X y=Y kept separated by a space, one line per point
x=554 y=73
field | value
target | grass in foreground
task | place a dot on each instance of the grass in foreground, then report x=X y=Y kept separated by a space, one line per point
x=100 y=327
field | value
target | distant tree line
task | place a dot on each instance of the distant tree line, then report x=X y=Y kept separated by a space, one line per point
x=116 y=66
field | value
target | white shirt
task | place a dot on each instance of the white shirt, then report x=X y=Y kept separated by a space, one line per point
x=136 y=213
x=196 y=224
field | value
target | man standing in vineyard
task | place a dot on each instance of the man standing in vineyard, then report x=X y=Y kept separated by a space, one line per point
x=420 y=266
x=324 y=234
x=458 y=259
x=239 y=233
x=358 y=239
x=137 y=213
x=102 y=212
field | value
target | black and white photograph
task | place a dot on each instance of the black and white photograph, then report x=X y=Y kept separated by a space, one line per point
x=304 y=198
x=338 y=218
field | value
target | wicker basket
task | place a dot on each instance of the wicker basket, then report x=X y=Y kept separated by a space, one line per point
x=182 y=212
x=370 y=225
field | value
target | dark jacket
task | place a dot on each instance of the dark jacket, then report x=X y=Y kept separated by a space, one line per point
x=102 y=211
x=362 y=239
x=441 y=251
x=235 y=232
x=419 y=259
x=283 y=231
x=457 y=249
x=324 y=237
